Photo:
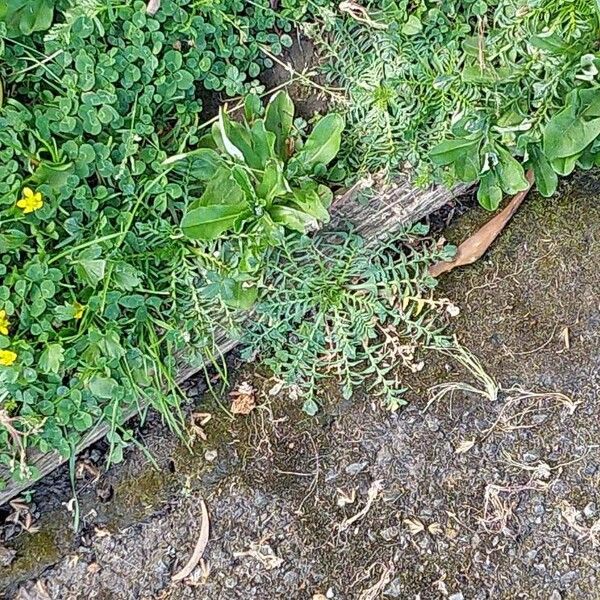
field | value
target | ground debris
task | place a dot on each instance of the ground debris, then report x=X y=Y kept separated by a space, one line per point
x=264 y=554
x=200 y=546
x=243 y=399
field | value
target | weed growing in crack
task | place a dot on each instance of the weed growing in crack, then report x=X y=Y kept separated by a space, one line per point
x=334 y=308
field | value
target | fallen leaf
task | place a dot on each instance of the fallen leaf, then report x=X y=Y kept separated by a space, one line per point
x=200 y=546
x=152 y=7
x=276 y=388
x=475 y=246
x=566 y=338
x=464 y=446
x=243 y=399
x=434 y=528
x=414 y=526
x=345 y=497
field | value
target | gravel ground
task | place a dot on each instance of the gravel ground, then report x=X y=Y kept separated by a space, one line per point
x=487 y=492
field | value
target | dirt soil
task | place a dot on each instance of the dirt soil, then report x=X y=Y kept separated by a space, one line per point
x=489 y=492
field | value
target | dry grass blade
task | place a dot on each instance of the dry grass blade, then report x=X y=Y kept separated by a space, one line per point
x=488 y=389
x=200 y=546
x=521 y=406
x=475 y=246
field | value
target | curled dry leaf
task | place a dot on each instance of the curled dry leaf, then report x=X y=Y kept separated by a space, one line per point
x=434 y=528
x=475 y=246
x=243 y=399
x=200 y=546
x=464 y=446
x=414 y=526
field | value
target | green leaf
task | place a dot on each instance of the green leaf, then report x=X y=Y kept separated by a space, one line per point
x=273 y=183
x=51 y=358
x=489 y=193
x=221 y=189
x=323 y=143
x=568 y=133
x=252 y=108
x=308 y=201
x=209 y=222
x=310 y=407
x=221 y=138
x=509 y=172
x=546 y=179
x=468 y=164
x=103 y=387
x=564 y=166
x=204 y=163
x=91 y=271
x=413 y=26
x=23 y=17
x=279 y=119
x=293 y=218
x=448 y=151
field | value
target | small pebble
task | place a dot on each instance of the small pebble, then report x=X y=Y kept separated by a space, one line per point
x=210 y=455
x=590 y=510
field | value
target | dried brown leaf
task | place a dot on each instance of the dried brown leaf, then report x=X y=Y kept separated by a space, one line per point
x=243 y=399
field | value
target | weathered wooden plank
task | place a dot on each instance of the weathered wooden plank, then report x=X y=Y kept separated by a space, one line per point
x=397 y=206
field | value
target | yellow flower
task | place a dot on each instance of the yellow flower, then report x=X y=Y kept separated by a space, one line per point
x=3 y=322
x=78 y=310
x=7 y=357
x=31 y=201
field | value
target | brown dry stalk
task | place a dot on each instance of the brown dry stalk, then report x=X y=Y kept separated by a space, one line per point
x=200 y=546
x=475 y=246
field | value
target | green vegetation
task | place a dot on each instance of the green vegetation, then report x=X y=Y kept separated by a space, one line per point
x=337 y=309
x=259 y=179
x=463 y=90
x=99 y=289
x=136 y=220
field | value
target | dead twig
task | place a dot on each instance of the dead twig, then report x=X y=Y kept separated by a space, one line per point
x=200 y=546
x=372 y=494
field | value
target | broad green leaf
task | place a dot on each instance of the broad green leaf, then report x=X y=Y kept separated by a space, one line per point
x=241 y=177
x=252 y=107
x=273 y=183
x=209 y=222
x=23 y=17
x=221 y=189
x=103 y=387
x=509 y=172
x=489 y=193
x=565 y=165
x=91 y=270
x=256 y=144
x=221 y=138
x=323 y=143
x=293 y=218
x=468 y=164
x=567 y=133
x=279 y=119
x=309 y=202
x=204 y=163
x=448 y=151
x=546 y=179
